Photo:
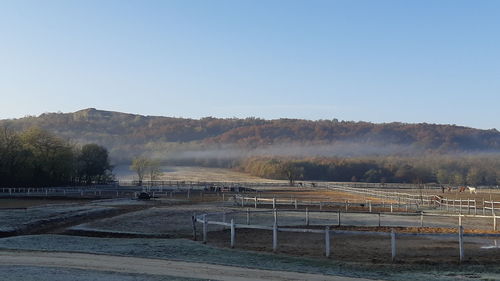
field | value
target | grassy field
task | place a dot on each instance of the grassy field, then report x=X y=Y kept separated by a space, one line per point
x=180 y=249
x=185 y=173
x=169 y=217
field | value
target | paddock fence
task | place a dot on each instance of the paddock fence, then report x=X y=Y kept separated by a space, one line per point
x=460 y=206
x=95 y=191
x=327 y=222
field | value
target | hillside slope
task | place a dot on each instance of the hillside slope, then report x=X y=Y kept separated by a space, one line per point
x=130 y=134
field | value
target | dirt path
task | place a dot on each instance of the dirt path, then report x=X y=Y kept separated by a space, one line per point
x=153 y=266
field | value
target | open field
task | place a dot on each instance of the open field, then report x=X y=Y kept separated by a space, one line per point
x=108 y=226
x=54 y=214
x=365 y=248
x=163 y=221
x=20 y=220
x=27 y=203
x=19 y=271
x=187 y=173
x=153 y=267
x=190 y=251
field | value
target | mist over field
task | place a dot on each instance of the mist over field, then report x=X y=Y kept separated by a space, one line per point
x=129 y=135
x=321 y=150
x=342 y=149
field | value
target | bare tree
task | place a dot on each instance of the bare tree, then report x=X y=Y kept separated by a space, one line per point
x=153 y=169
x=139 y=165
x=292 y=172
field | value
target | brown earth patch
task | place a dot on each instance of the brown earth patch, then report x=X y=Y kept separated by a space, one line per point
x=367 y=248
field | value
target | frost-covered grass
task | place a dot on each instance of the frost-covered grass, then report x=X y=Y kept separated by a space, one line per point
x=186 y=250
x=173 y=221
x=12 y=220
x=32 y=273
x=120 y=202
x=20 y=219
x=294 y=218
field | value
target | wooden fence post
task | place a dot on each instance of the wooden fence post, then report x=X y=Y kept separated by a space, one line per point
x=346 y=204
x=255 y=203
x=370 y=205
x=193 y=220
x=327 y=241
x=379 y=219
x=393 y=244
x=275 y=237
x=307 y=216
x=461 y=242
x=391 y=207
x=205 y=229
x=421 y=219
x=494 y=222
x=296 y=206
x=233 y=233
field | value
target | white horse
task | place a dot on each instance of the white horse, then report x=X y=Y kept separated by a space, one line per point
x=472 y=189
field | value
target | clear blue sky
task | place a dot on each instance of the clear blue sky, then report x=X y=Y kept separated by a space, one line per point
x=380 y=61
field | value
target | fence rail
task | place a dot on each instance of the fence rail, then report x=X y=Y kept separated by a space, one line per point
x=327 y=232
x=77 y=191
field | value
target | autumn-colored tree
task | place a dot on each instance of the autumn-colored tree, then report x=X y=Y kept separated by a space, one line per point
x=153 y=169
x=292 y=172
x=139 y=165
x=37 y=158
x=146 y=166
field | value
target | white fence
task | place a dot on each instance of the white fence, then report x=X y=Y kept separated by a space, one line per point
x=491 y=205
x=86 y=191
x=400 y=197
x=348 y=207
x=274 y=202
x=219 y=219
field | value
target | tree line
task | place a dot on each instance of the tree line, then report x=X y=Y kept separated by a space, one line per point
x=128 y=135
x=442 y=169
x=37 y=158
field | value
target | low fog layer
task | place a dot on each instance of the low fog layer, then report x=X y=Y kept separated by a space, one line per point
x=345 y=149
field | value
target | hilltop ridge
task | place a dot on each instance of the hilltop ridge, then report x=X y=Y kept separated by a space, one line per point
x=127 y=133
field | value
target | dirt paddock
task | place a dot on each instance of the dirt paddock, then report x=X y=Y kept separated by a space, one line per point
x=169 y=216
x=364 y=248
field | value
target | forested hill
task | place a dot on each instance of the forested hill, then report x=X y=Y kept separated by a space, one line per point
x=122 y=132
